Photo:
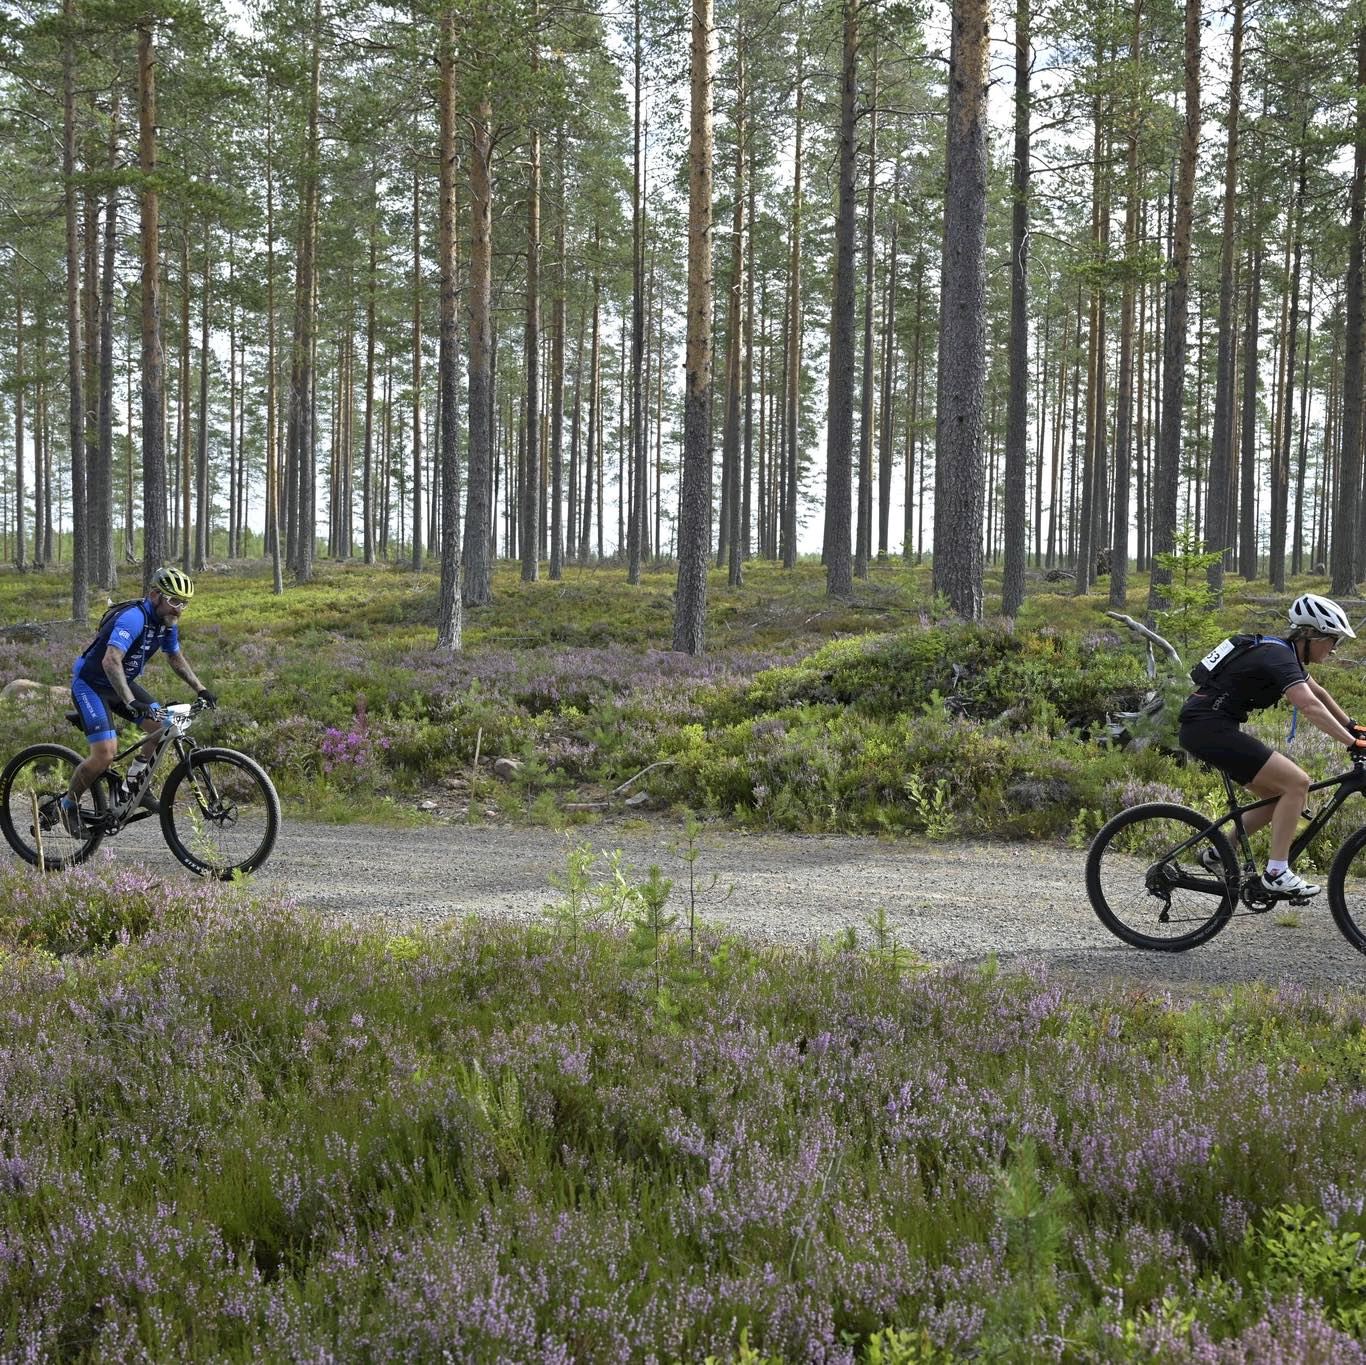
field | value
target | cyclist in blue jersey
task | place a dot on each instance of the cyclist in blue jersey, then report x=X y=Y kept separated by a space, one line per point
x=104 y=682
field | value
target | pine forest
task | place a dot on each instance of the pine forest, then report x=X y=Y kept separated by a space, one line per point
x=1049 y=288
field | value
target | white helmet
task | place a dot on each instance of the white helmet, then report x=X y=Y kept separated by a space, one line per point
x=1319 y=614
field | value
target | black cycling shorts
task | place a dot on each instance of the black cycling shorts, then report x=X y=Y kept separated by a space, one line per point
x=1222 y=745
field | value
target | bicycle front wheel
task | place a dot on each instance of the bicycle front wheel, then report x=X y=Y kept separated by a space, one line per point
x=220 y=814
x=1150 y=897
x=1347 y=889
x=33 y=783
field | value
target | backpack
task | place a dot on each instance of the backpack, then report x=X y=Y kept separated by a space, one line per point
x=1232 y=648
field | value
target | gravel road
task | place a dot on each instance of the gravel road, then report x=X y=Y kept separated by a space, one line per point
x=948 y=902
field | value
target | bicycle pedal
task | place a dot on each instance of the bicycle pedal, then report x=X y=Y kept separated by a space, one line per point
x=1300 y=900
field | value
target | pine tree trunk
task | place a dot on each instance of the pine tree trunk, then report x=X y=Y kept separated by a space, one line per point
x=479 y=527
x=20 y=549
x=416 y=526
x=449 y=620
x=202 y=510
x=1346 y=548
x=1302 y=462
x=1174 y=337
x=790 y=455
x=729 y=540
x=1119 y=545
x=80 y=591
x=890 y=352
x=637 y=510
x=1280 y=494
x=863 y=531
x=839 y=579
x=531 y=486
x=694 y=535
x=1221 y=446
x=1017 y=403
x=557 y=326
x=367 y=492
x=105 y=566
x=1247 y=532
x=958 y=482
x=593 y=437
x=272 y=432
x=305 y=515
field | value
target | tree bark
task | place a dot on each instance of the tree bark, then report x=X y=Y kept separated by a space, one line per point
x=1280 y=482
x=790 y=456
x=416 y=529
x=105 y=566
x=1015 y=514
x=863 y=532
x=1346 y=550
x=557 y=327
x=839 y=579
x=1247 y=533
x=1221 y=441
x=592 y=439
x=272 y=442
x=20 y=549
x=531 y=479
x=690 y=600
x=80 y=591
x=449 y=621
x=1174 y=336
x=478 y=585
x=202 y=510
x=729 y=540
x=958 y=483
x=638 y=477
x=1119 y=545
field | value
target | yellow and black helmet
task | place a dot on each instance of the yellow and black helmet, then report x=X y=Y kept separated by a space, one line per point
x=173 y=582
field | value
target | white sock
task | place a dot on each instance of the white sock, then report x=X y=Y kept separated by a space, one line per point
x=1275 y=866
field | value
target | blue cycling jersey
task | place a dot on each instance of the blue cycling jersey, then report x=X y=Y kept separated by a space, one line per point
x=138 y=633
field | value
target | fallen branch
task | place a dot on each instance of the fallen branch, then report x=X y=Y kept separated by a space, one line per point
x=1147 y=634
x=662 y=763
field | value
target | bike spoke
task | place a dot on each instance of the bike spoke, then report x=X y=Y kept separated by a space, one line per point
x=1147 y=894
x=1347 y=890
x=220 y=816
x=36 y=782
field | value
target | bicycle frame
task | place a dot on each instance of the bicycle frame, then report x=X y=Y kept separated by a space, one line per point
x=172 y=733
x=1348 y=784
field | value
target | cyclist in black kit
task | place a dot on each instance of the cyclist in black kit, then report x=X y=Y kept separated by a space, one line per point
x=1248 y=674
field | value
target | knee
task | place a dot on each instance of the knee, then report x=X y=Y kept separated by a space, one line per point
x=1297 y=782
x=102 y=753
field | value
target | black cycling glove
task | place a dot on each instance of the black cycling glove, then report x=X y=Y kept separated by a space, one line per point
x=210 y=699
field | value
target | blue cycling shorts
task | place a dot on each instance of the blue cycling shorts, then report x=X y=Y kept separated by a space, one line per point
x=99 y=705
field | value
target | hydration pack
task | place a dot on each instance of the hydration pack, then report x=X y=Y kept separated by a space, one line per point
x=1232 y=648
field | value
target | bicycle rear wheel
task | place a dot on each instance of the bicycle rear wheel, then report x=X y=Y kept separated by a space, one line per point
x=1150 y=899
x=1347 y=889
x=219 y=813
x=35 y=780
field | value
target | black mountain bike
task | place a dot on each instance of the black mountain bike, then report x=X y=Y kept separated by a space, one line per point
x=220 y=814
x=1147 y=881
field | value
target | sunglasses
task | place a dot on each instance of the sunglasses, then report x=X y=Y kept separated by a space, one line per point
x=174 y=601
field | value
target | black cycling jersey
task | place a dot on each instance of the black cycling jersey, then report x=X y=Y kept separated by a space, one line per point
x=1249 y=681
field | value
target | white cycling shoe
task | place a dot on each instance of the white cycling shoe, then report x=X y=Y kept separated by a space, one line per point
x=1287 y=884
